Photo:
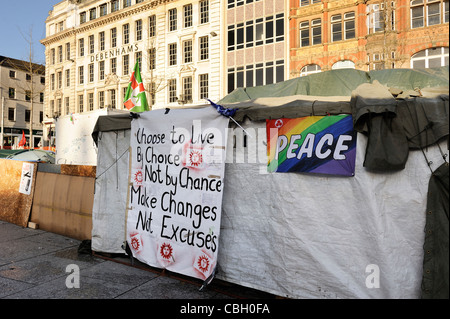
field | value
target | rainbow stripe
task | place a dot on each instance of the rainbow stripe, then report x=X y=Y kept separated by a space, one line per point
x=313 y=144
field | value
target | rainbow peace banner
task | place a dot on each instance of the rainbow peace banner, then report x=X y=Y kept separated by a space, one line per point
x=313 y=144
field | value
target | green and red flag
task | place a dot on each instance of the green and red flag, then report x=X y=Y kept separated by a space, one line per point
x=135 y=99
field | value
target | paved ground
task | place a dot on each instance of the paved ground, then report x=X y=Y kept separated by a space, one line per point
x=33 y=265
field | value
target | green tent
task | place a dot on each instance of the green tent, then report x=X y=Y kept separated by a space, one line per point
x=342 y=83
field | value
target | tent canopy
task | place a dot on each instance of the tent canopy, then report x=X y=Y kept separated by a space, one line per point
x=342 y=82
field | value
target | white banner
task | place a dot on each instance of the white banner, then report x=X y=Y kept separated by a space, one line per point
x=175 y=194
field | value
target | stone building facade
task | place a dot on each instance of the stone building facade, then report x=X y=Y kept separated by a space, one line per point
x=22 y=98
x=367 y=35
x=93 y=45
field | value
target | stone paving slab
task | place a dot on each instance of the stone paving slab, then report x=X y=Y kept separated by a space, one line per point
x=34 y=265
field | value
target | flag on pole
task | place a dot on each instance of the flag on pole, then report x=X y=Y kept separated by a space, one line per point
x=23 y=140
x=135 y=99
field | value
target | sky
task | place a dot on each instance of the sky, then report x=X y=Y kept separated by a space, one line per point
x=17 y=18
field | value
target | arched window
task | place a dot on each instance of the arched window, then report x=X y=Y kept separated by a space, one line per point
x=310 y=69
x=343 y=64
x=430 y=58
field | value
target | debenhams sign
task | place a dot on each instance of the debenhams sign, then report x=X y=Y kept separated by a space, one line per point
x=112 y=53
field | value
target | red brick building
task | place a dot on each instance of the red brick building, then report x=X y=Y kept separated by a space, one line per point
x=367 y=35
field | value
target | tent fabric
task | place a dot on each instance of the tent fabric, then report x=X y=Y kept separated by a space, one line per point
x=342 y=83
x=108 y=212
x=106 y=123
x=435 y=280
x=425 y=120
x=411 y=79
x=330 y=83
x=313 y=236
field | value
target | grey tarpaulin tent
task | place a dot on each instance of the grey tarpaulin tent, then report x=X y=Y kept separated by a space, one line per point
x=308 y=236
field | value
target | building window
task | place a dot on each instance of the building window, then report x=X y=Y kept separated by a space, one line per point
x=152 y=26
x=204 y=11
x=172 y=54
x=446 y=10
x=172 y=19
x=138 y=59
x=91 y=44
x=152 y=58
x=114 y=65
x=336 y=28
x=101 y=99
x=113 y=37
x=12 y=74
x=81 y=103
x=101 y=70
x=68 y=51
x=52 y=56
x=81 y=46
x=91 y=101
x=126 y=33
x=187 y=51
x=348 y=28
x=67 y=103
x=349 y=25
x=81 y=74
x=344 y=64
x=187 y=89
x=12 y=93
x=308 y=2
x=28 y=115
x=113 y=98
x=310 y=35
x=91 y=72
x=126 y=64
x=187 y=16
x=304 y=34
x=139 y=30
x=41 y=97
x=101 y=41
x=378 y=17
x=310 y=69
x=258 y=74
x=428 y=12
x=203 y=86
x=52 y=81
x=103 y=10
x=11 y=114
x=67 y=77
x=269 y=29
x=204 y=48
x=59 y=79
x=92 y=14
x=59 y=107
x=126 y=3
x=114 y=5
x=430 y=58
x=28 y=77
x=82 y=17
x=256 y=32
x=60 y=53
x=52 y=109
x=279 y=27
x=172 y=87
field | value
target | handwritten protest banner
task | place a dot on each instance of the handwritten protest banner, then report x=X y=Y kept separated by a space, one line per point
x=313 y=144
x=176 y=186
